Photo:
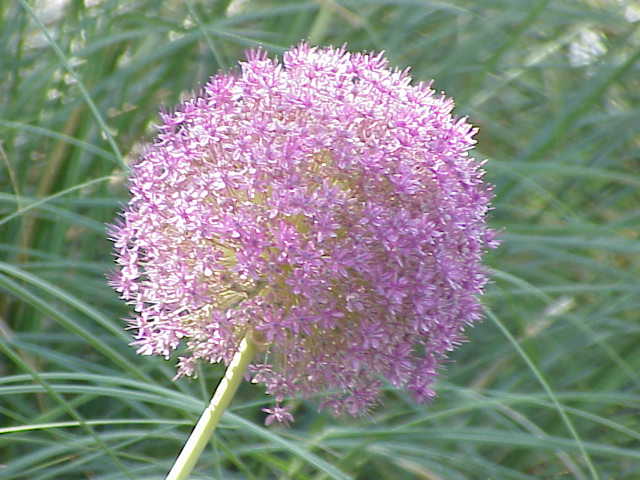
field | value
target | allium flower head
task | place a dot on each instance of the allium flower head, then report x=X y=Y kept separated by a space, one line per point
x=326 y=207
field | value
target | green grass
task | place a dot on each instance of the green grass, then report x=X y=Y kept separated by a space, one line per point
x=547 y=387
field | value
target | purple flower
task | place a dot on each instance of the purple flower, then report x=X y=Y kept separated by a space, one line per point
x=278 y=414
x=323 y=205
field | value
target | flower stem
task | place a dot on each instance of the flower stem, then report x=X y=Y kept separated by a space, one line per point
x=211 y=416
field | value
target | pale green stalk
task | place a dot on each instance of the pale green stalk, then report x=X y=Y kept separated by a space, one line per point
x=212 y=414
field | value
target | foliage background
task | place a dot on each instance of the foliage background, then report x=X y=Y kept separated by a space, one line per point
x=547 y=387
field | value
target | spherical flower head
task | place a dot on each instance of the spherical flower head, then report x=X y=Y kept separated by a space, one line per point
x=323 y=205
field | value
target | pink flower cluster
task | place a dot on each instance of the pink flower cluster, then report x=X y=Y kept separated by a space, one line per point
x=323 y=205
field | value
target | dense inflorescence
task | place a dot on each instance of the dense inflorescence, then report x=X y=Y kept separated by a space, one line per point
x=326 y=207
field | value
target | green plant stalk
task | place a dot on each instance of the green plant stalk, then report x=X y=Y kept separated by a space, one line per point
x=212 y=414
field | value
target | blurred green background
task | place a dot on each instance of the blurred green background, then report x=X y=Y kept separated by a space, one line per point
x=548 y=386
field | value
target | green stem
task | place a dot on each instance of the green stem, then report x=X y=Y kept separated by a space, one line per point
x=212 y=414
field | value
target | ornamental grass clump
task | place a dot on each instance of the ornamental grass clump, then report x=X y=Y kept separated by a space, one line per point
x=323 y=209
